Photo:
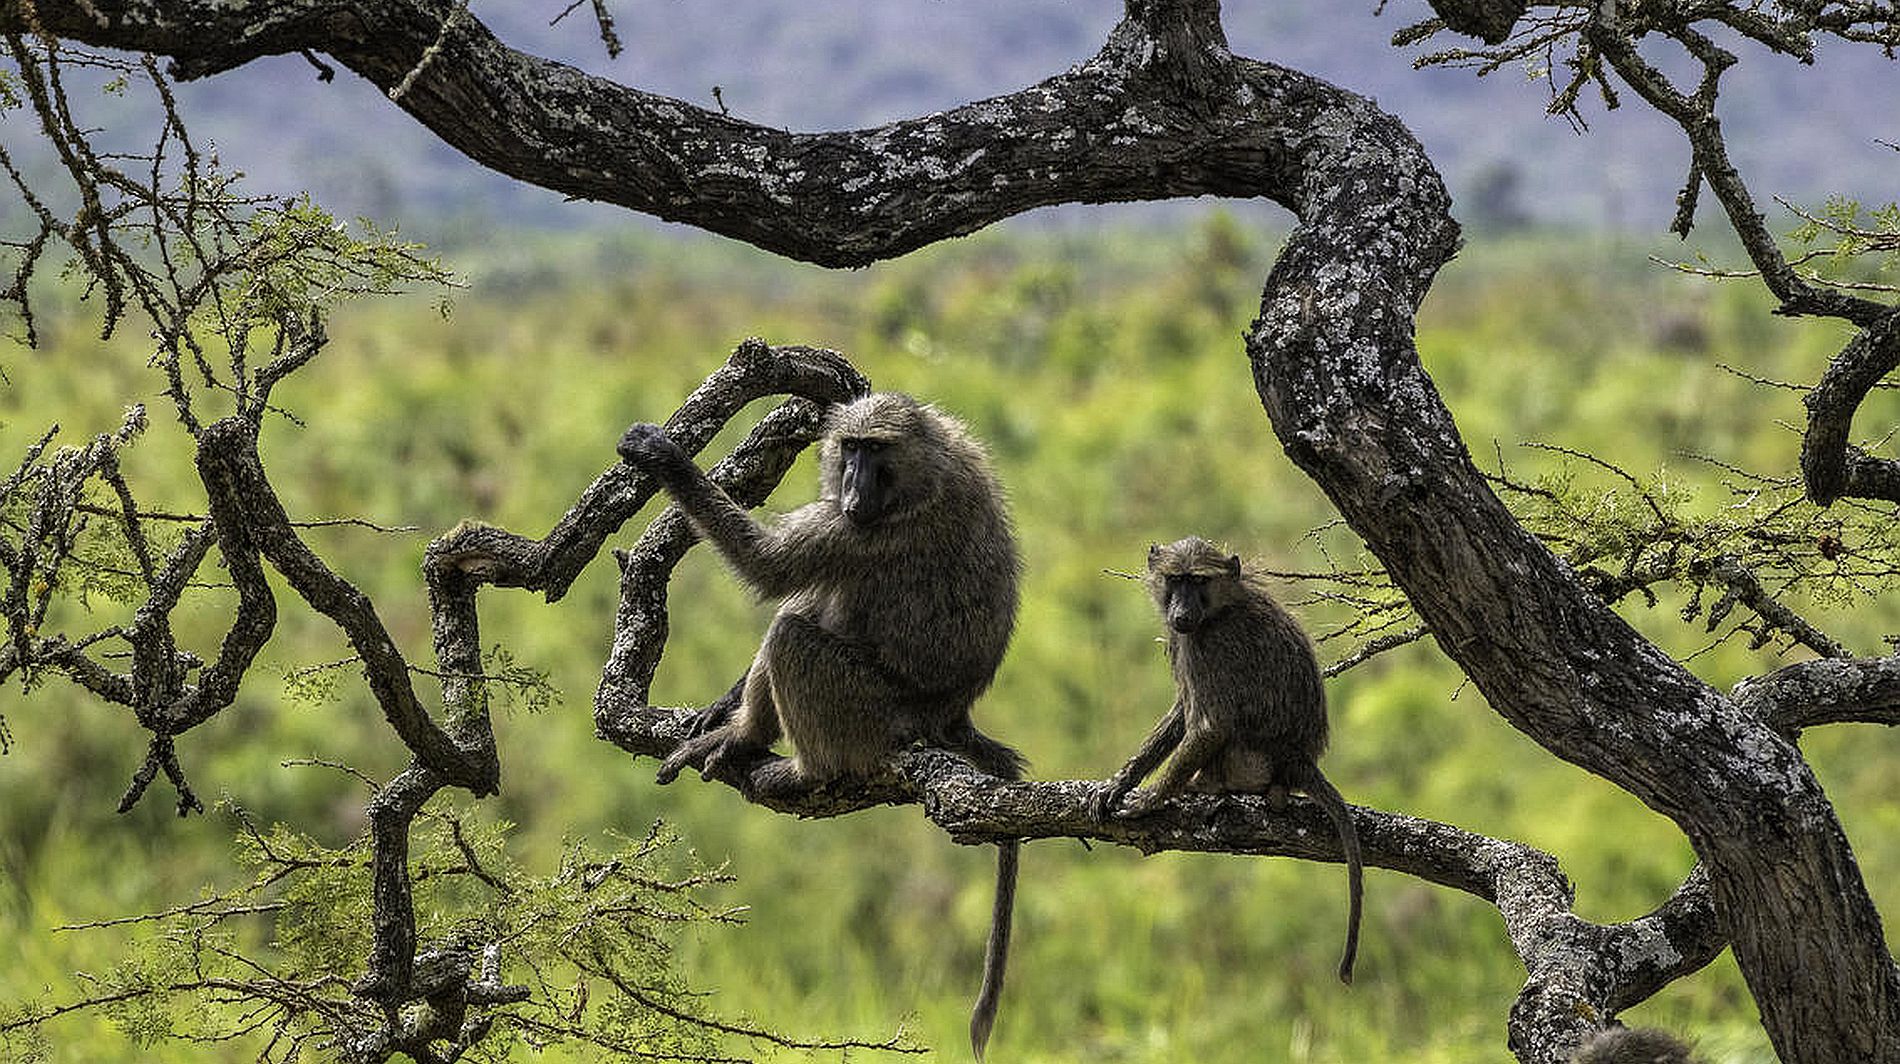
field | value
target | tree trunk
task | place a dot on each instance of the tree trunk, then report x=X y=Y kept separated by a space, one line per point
x=1338 y=373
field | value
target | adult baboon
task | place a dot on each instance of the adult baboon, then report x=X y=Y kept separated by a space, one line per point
x=898 y=591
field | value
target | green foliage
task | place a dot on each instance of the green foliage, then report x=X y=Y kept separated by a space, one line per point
x=315 y=684
x=1628 y=534
x=231 y=286
x=522 y=687
x=1848 y=242
x=298 y=259
x=582 y=955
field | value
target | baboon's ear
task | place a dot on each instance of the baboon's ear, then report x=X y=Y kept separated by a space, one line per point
x=1154 y=553
x=1233 y=565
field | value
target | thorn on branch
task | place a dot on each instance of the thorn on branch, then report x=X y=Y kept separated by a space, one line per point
x=1831 y=468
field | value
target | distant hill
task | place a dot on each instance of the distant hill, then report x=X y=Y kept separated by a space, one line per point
x=1799 y=132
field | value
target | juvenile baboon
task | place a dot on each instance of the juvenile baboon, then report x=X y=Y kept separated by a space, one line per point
x=1633 y=1045
x=1249 y=711
x=897 y=591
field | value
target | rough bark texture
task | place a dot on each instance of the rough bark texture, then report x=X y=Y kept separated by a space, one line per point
x=1164 y=110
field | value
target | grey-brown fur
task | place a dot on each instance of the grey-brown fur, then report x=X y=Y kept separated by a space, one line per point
x=898 y=592
x=1250 y=710
x=1633 y=1045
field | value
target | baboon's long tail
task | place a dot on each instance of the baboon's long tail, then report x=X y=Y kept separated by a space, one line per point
x=1322 y=791
x=996 y=956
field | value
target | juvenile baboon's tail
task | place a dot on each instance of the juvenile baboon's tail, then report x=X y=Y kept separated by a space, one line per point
x=996 y=955
x=1322 y=791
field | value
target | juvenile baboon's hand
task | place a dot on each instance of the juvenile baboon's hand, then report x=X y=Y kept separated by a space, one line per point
x=1108 y=798
x=1145 y=801
x=646 y=446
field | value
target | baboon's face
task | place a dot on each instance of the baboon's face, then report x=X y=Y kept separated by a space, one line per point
x=867 y=479
x=882 y=461
x=1191 y=582
x=1184 y=602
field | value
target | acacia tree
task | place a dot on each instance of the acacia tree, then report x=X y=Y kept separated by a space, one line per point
x=1521 y=601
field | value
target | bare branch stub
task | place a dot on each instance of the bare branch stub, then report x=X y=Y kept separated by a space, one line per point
x=1490 y=21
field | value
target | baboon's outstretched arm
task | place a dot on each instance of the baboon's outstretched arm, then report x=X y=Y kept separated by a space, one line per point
x=774 y=561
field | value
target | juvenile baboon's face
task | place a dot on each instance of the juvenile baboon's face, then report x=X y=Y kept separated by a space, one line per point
x=1191 y=582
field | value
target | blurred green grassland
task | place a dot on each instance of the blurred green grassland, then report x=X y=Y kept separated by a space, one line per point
x=1107 y=374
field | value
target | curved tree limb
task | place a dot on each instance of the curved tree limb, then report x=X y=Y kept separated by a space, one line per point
x=1610 y=34
x=1831 y=467
x=1579 y=973
x=1339 y=376
x=485 y=554
x=1121 y=127
x=242 y=498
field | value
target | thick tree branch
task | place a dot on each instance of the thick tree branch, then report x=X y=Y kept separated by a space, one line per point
x=1578 y=972
x=1339 y=376
x=485 y=554
x=1131 y=124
